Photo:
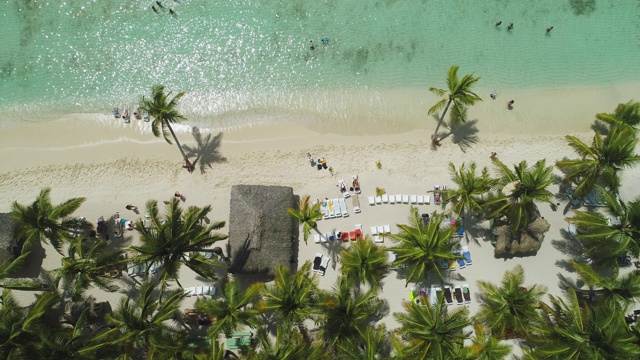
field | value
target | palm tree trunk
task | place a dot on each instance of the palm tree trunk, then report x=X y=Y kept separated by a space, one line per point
x=184 y=156
x=435 y=133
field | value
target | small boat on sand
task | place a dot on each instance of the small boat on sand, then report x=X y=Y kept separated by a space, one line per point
x=116 y=113
x=125 y=115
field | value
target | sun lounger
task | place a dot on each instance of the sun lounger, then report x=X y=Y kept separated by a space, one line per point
x=420 y=199
x=344 y=235
x=356 y=184
x=572 y=230
x=467 y=255
x=427 y=199
x=356 y=204
x=457 y=291
x=378 y=200
x=323 y=265
x=466 y=293
x=374 y=230
x=380 y=229
x=453 y=264
x=323 y=210
x=191 y=291
x=412 y=295
x=316 y=262
x=405 y=199
x=447 y=295
x=413 y=199
x=199 y=290
x=210 y=290
x=343 y=207
x=385 y=198
x=436 y=195
x=352 y=235
x=392 y=199
x=444 y=264
x=461 y=263
x=378 y=239
x=438 y=290
x=316 y=238
x=155 y=267
x=328 y=236
x=391 y=256
x=387 y=229
x=372 y=200
x=433 y=296
x=358 y=234
x=331 y=211
x=343 y=188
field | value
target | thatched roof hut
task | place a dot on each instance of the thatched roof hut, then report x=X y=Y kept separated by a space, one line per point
x=7 y=239
x=529 y=243
x=260 y=228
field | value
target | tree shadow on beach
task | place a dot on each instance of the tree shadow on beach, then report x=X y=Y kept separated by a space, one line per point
x=206 y=152
x=463 y=133
x=570 y=247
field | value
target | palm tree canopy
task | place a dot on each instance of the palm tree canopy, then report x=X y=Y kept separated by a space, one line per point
x=179 y=237
x=365 y=262
x=510 y=309
x=423 y=247
x=233 y=310
x=289 y=345
x=293 y=295
x=163 y=111
x=527 y=185
x=626 y=113
x=308 y=214
x=471 y=188
x=432 y=331
x=620 y=290
x=42 y=221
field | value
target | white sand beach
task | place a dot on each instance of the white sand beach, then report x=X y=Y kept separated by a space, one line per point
x=113 y=165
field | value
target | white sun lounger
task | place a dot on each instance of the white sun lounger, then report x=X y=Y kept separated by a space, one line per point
x=414 y=199
x=420 y=199
x=380 y=229
x=398 y=199
x=332 y=207
x=392 y=199
x=378 y=239
x=427 y=199
x=323 y=265
x=387 y=229
x=372 y=200
x=316 y=238
x=374 y=230
x=385 y=198
x=378 y=199
x=191 y=291
x=405 y=199
x=356 y=204
x=343 y=207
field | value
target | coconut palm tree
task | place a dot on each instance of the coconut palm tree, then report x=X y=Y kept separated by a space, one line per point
x=164 y=113
x=600 y=162
x=345 y=311
x=604 y=238
x=179 y=237
x=77 y=339
x=9 y=267
x=233 y=310
x=615 y=289
x=467 y=198
x=627 y=113
x=423 y=248
x=511 y=309
x=293 y=296
x=373 y=343
x=88 y=263
x=576 y=331
x=486 y=346
x=42 y=221
x=19 y=326
x=308 y=215
x=289 y=344
x=431 y=331
x=525 y=186
x=365 y=262
x=458 y=93
x=143 y=321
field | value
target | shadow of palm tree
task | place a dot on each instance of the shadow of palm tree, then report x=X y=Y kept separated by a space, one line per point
x=206 y=151
x=464 y=133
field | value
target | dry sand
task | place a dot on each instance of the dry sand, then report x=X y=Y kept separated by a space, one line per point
x=113 y=165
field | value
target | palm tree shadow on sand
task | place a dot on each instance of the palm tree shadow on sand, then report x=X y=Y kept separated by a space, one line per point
x=463 y=133
x=206 y=152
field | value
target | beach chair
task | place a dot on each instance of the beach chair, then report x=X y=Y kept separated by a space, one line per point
x=420 y=199
x=452 y=264
x=457 y=291
x=392 y=199
x=572 y=231
x=356 y=184
x=380 y=229
x=398 y=199
x=316 y=238
x=344 y=235
x=444 y=264
x=356 y=204
x=412 y=295
x=199 y=290
x=447 y=295
x=352 y=235
x=324 y=238
x=391 y=257
x=438 y=291
x=323 y=265
x=343 y=188
x=413 y=199
x=374 y=230
x=427 y=199
x=191 y=291
x=387 y=229
x=372 y=200
x=385 y=198
x=331 y=211
x=323 y=210
x=378 y=200
x=405 y=199
x=461 y=263
x=343 y=207
x=466 y=294
x=467 y=255
x=316 y=262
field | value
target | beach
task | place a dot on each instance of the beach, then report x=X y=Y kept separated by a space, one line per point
x=113 y=165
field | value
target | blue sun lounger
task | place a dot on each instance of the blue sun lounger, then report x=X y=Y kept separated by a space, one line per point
x=467 y=255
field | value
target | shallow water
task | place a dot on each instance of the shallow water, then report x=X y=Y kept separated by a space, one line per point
x=245 y=62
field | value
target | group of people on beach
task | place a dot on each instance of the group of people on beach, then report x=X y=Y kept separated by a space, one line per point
x=510 y=27
x=320 y=163
x=494 y=95
x=312 y=46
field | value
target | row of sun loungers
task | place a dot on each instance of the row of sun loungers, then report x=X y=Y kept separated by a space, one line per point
x=377 y=232
x=202 y=290
x=400 y=199
x=334 y=208
x=320 y=264
x=460 y=263
x=462 y=294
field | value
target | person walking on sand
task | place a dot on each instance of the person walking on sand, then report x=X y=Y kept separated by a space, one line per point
x=178 y=195
x=493 y=95
x=510 y=104
x=310 y=160
x=132 y=207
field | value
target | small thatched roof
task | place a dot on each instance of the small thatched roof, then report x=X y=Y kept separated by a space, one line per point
x=7 y=239
x=528 y=244
x=260 y=228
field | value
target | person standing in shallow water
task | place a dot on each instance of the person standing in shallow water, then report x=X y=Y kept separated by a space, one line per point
x=499 y=23
x=311 y=46
x=510 y=26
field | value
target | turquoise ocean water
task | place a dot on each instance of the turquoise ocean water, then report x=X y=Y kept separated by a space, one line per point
x=244 y=62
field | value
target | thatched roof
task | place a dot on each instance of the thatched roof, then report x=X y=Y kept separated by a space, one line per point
x=260 y=228
x=7 y=226
x=528 y=244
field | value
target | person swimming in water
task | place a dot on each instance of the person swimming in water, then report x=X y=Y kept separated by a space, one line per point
x=311 y=46
x=549 y=29
x=499 y=23
x=159 y=3
x=154 y=9
x=510 y=26
x=172 y=12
